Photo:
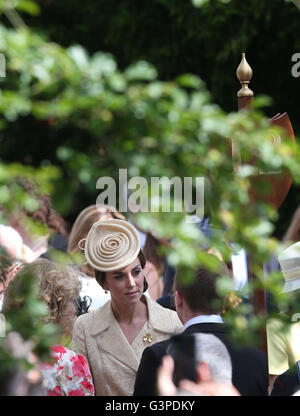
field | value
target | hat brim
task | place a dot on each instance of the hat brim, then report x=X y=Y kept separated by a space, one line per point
x=291 y=285
x=111 y=259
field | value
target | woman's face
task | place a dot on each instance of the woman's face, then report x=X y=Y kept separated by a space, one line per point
x=126 y=285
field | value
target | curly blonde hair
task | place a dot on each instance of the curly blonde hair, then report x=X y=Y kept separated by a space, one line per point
x=59 y=287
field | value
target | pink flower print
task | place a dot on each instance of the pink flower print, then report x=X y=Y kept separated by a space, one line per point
x=55 y=392
x=59 y=350
x=88 y=386
x=79 y=367
x=77 y=392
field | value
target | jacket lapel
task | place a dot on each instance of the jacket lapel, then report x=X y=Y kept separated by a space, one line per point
x=110 y=337
x=155 y=317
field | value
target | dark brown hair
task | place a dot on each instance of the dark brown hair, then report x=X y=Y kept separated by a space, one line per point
x=5 y=265
x=45 y=214
x=200 y=293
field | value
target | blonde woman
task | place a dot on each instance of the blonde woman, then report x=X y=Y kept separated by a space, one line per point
x=59 y=287
x=113 y=337
x=80 y=229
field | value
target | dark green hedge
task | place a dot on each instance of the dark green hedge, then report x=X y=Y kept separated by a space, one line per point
x=178 y=38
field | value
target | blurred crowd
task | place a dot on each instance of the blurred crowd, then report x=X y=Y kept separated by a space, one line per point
x=129 y=323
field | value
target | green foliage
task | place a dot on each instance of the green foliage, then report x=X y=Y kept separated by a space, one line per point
x=24 y=313
x=200 y=3
x=13 y=197
x=162 y=120
x=111 y=117
x=207 y=41
x=296 y=3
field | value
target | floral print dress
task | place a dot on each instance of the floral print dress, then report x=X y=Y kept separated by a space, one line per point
x=69 y=375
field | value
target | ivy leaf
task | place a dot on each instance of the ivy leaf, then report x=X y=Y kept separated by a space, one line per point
x=142 y=71
x=79 y=56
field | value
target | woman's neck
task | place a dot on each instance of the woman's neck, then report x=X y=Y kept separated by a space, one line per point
x=128 y=314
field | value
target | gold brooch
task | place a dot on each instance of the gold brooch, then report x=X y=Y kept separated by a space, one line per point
x=147 y=338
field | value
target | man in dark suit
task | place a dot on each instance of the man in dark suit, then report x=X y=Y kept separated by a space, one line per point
x=199 y=306
x=287 y=383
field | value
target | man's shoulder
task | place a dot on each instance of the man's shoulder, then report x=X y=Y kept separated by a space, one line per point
x=246 y=354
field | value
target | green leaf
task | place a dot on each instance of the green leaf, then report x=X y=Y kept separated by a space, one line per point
x=4 y=194
x=28 y=6
x=200 y=3
x=189 y=80
x=102 y=64
x=142 y=71
x=79 y=56
x=64 y=153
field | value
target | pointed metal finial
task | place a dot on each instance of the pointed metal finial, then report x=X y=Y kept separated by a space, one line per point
x=244 y=75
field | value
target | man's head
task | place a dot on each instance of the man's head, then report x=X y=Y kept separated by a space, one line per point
x=200 y=357
x=212 y=358
x=211 y=363
x=199 y=295
x=10 y=254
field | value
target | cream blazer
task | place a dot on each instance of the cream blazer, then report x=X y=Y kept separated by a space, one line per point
x=113 y=361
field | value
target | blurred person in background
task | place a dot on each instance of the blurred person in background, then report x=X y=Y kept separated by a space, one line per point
x=287 y=383
x=211 y=364
x=292 y=235
x=167 y=299
x=283 y=328
x=199 y=307
x=154 y=264
x=58 y=287
x=11 y=255
x=53 y=231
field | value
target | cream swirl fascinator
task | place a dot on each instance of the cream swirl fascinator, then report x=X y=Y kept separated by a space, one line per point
x=111 y=245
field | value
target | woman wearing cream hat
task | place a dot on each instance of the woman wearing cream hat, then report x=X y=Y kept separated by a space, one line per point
x=113 y=337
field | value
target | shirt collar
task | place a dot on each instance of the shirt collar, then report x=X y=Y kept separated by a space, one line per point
x=204 y=319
